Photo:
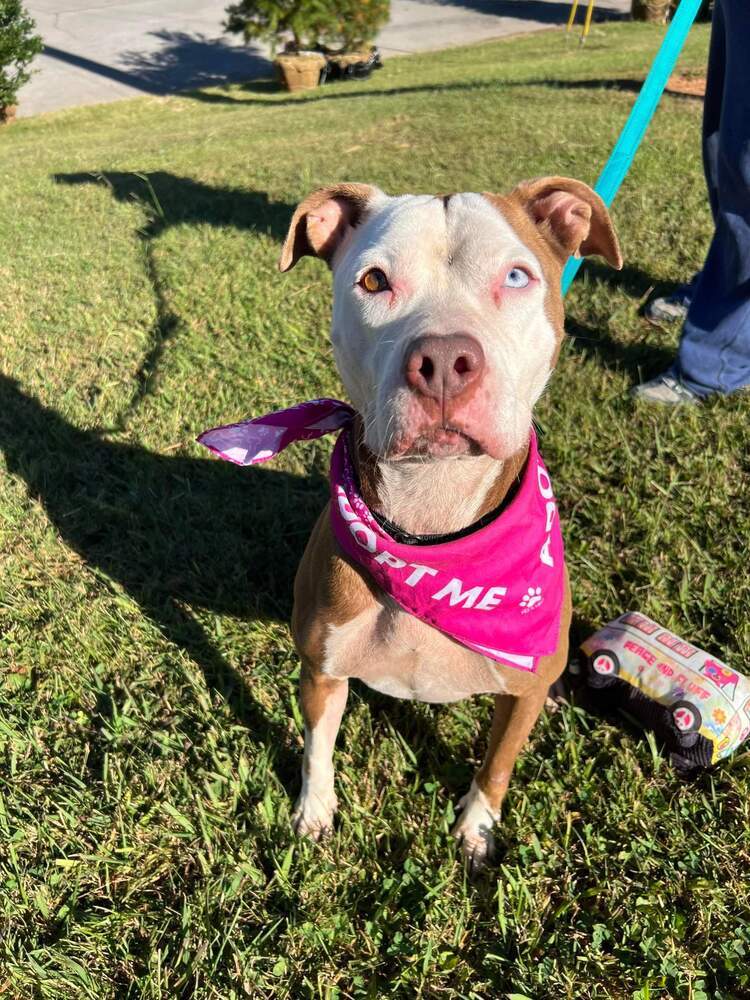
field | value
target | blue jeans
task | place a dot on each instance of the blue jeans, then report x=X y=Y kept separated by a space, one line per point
x=714 y=352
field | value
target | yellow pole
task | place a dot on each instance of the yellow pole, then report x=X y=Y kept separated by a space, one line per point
x=571 y=19
x=587 y=22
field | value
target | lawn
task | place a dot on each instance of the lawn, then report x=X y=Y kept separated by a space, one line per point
x=148 y=722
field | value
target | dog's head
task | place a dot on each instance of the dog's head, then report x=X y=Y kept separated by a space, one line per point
x=447 y=315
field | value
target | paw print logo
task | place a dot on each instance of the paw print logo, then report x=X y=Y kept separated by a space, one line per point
x=531 y=599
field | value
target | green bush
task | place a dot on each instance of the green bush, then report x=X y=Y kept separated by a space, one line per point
x=357 y=22
x=306 y=24
x=294 y=24
x=18 y=46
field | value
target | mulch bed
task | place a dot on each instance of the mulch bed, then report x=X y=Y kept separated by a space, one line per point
x=688 y=85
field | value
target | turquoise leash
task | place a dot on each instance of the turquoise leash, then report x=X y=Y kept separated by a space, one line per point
x=618 y=164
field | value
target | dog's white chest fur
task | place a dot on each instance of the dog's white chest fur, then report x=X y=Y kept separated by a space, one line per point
x=399 y=655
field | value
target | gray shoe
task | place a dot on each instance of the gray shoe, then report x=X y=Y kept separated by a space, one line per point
x=668 y=309
x=667 y=389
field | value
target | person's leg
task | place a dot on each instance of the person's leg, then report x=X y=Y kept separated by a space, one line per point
x=666 y=310
x=712 y=105
x=714 y=353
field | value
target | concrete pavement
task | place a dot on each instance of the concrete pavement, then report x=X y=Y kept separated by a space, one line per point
x=121 y=48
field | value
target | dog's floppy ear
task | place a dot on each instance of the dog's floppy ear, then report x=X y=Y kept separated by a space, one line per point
x=570 y=216
x=322 y=220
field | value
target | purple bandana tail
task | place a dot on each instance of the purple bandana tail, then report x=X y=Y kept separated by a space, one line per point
x=253 y=441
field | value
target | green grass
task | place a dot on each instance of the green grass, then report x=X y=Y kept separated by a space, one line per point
x=148 y=723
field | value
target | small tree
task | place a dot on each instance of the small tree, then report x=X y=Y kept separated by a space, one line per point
x=305 y=24
x=18 y=46
x=296 y=24
x=357 y=22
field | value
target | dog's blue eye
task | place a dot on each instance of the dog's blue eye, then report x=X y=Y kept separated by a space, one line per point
x=516 y=278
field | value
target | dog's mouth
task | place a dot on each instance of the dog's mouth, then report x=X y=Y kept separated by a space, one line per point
x=414 y=433
x=442 y=441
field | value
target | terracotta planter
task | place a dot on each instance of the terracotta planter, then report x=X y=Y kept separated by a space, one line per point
x=7 y=113
x=301 y=71
x=651 y=10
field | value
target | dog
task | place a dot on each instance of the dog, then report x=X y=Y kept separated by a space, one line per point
x=447 y=323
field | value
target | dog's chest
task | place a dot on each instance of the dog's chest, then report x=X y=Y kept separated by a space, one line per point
x=399 y=655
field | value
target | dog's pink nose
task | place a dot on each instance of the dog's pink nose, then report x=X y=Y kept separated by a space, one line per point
x=443 y=367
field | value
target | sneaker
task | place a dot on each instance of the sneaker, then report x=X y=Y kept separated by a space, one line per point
x=668 y=309
x=666 y=388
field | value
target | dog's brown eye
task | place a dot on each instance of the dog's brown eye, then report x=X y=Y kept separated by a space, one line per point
x=374 y=281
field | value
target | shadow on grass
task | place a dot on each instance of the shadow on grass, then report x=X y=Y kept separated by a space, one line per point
x=631 y=280
x=635 y=358
x=450 y=765
x=343 y=91
x=640 y=360
x=169 y=200
x=176 y=533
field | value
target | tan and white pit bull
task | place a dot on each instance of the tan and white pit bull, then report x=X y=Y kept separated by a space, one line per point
x=447 y=322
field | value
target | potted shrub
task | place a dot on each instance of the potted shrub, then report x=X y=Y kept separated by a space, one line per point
x=357 y=22
x=294 y=25
x=18 y=46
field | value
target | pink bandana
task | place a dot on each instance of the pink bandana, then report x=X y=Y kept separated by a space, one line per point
x=496 y=588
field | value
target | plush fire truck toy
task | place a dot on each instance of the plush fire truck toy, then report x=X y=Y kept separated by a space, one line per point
x=694 y=702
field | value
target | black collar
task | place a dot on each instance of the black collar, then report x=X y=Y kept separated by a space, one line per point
x=407 y=538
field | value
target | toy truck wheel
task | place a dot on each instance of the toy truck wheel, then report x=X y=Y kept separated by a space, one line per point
x=686 y=717
x=605 y=663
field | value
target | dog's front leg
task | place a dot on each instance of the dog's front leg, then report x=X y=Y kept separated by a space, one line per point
x=512 y=722
x=323 y=702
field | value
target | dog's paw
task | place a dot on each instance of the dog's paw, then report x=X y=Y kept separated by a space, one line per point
x=473 y=830
x=313 y=815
